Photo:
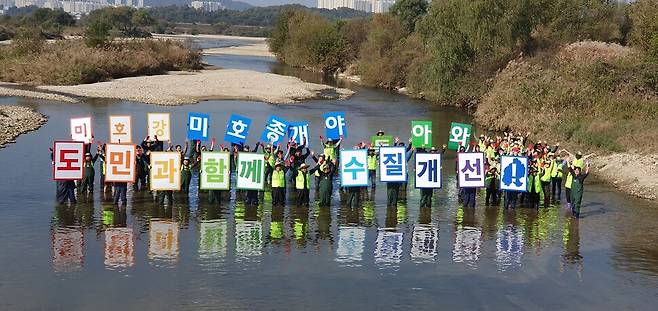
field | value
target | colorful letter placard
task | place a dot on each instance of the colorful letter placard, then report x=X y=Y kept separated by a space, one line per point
x=68 y=157
x=392 y=164
x=428 y=170
x=121 y=129
x=513 y=173
x=165 y=171
x=382 y=141
x=275 y=131
x=471 y=169
x=421 y=134
x=251 y=171
x=198 y=126
x=460 y=133
x=158 y=125
x=215 y=173
x=299 y=132
x=81 y=130
x=354 y=168
x=237 y=129
x=120 y=161
x=335 y=125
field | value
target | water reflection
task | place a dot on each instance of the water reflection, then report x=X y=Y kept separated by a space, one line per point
x=571 y=256
x=119 y=248
x=468 y=238
x=351 y=243
x=163 y=242
x=68 y=249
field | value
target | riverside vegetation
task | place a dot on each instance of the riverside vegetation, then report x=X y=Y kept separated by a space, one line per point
x=104 y=52
x=584 y=72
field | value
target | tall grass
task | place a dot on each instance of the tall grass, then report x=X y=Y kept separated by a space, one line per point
x=72 y=62
x=606 y=101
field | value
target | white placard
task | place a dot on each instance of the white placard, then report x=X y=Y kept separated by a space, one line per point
x=120 y=163
x=165 y=171
x=121 y=129
x=158 y=125
x=68 y=158
x=471 y=169
x=251 y=171
x=392 y=164
x=428 y=170
x=354 y=168
x=81 y=130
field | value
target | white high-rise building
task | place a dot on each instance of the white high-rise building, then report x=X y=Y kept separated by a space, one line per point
x=373 y=6
x=208 y=6
x=7 y=3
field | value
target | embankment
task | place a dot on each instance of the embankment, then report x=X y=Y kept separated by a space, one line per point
x=589 y=96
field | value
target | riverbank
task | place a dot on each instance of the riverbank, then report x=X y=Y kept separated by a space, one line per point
x=11 y=90
x=16 y=120
x=178 y=88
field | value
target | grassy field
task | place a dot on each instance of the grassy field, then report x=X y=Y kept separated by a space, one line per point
x=69 y=62
x=588 y=95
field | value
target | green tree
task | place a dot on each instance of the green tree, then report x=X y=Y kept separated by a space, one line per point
x=97 y=34
x=644 y=18
x=409 y=11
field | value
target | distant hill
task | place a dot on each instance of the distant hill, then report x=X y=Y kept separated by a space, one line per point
x=229 y=4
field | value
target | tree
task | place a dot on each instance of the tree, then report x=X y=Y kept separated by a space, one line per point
x=97 y=34
x=409 y=11
x=644 y=18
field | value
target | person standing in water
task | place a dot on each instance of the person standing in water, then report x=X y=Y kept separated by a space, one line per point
x=577 y=188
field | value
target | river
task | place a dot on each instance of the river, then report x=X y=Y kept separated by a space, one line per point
x=196 y=256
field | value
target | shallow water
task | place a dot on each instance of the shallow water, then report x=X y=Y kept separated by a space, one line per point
x=197 y=256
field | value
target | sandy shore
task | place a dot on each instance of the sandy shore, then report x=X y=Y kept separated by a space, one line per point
x=16 y=120
x=7 y=90
x=631 y=173
x=179 y=88
x=255 y=49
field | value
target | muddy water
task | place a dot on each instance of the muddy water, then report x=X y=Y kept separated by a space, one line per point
x=197 y=256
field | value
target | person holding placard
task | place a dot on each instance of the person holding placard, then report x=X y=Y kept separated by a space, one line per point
x=90 y=173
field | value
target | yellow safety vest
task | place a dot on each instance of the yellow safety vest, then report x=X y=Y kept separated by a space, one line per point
x=278 y=179
x=372 y=162
x=299 y=181
x=329 y=152
x=576 y=163
x=547 y=172
x=557 y=169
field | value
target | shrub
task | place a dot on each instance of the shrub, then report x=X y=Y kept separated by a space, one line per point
x=97 y=34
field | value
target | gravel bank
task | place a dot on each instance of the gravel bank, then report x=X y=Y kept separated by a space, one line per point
x=179 y=88
x=630 y=172
x=256 y=49
x=16 y=120
x=13 y=92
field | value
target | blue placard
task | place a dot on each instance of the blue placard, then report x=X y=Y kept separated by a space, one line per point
x=275 y=131
x=237 y=129
x=335 y=125
x=299 y=131
x=198 y=126
x=514 y=173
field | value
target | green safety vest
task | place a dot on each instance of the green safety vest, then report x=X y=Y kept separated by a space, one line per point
x=490 y=152
x=278 y=179
x=372 y=162
x=557 y=170
x=299 y=181
x=537 y=184
x=270 y=159
x=576 y=163
x=547 y=172
x=329 y=152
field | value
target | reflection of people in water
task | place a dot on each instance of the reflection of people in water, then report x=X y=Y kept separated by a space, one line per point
x=571 y=244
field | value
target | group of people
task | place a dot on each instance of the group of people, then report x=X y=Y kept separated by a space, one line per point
x=548 y=167
x=287 y=172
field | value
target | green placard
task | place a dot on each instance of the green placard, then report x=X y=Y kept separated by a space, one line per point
x=460 y=134
x=384 y=140
x=250 y=171
x=421 y=134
